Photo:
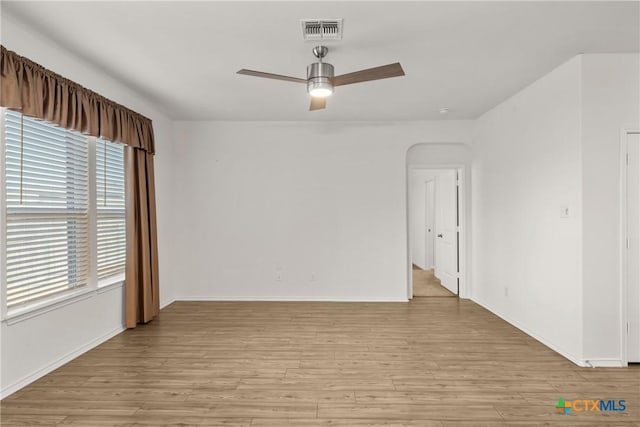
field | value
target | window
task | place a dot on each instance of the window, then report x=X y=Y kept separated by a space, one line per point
x=47 y=188
x=50 y=210
x=110 y=208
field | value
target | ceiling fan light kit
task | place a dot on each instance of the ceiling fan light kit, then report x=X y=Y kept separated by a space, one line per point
x=320 y=75
x=321 y=79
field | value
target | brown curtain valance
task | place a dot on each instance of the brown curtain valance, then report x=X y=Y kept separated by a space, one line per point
x=43 y=94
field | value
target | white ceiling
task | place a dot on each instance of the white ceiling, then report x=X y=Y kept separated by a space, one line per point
x=467 y=56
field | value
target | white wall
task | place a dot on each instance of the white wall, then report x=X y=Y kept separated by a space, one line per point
x=610 y=97
x=36 y=345
x=557 y=143
x=527 y=164
x=327 y=199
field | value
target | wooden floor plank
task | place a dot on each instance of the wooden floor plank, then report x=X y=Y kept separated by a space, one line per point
x=324 y=422
x=431 y=362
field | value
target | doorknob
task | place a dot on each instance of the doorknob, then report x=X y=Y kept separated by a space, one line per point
x=440 y=236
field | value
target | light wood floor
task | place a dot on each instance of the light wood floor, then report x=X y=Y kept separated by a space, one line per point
x=426 y=284
x=430 y=362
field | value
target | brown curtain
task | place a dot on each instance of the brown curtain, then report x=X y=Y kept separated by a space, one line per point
x=43 y=94
x=143 y=301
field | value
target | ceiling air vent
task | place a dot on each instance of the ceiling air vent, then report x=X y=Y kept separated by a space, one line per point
x=321 y=29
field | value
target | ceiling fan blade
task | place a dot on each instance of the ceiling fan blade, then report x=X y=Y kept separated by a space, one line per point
x=317 y=103
x=271 y=76
x=376 y=73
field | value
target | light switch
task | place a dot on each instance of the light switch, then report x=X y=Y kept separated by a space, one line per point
x=564 y=211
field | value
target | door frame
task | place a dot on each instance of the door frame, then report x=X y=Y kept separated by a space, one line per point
x=624 y=285
x=463 y=227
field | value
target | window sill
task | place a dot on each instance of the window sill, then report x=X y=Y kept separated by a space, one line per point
x=21 y=314
x=110 y=283
x=29 y=312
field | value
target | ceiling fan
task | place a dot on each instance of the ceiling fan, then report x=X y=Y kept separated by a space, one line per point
x=320 y=80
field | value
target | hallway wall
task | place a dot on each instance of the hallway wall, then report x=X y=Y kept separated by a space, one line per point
x=527 y=257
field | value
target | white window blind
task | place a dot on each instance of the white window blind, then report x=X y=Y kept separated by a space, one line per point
x=47 y=195
x=110 y=208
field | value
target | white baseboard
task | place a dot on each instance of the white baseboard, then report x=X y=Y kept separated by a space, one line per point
x=558 y=349
x=604 y=363
x=12 y=388
x=28 y=379
x=280 y=299
x=163 y=304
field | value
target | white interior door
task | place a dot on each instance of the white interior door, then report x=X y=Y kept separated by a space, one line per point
x=429 y=223
x=633 y=251
x=446 y=241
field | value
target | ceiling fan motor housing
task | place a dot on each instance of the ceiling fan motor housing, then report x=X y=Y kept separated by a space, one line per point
x=319 y=76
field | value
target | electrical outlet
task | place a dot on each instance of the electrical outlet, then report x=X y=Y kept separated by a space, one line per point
x=313 y=276
x=564 y=211
x=279 y=276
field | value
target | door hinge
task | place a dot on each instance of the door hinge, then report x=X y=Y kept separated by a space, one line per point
x=627 y=159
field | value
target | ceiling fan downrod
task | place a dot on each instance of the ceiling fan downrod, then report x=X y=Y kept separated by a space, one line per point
x=320 y=52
